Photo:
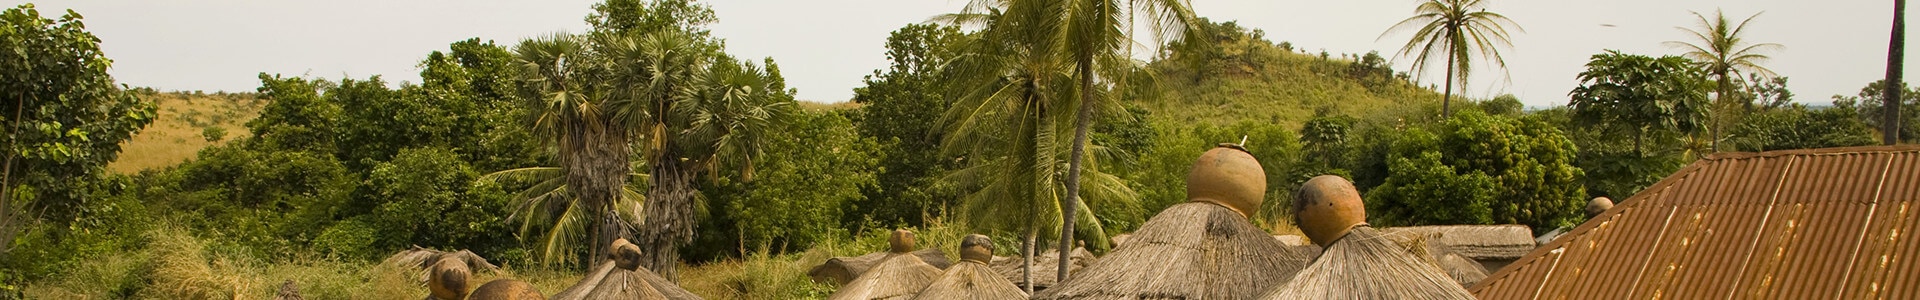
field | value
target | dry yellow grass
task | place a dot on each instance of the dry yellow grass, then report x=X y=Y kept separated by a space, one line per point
x=176 y=136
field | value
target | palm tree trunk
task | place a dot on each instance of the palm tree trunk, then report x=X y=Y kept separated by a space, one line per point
x=596 y=172
x=1070 y=205
x=1717 y=115
x=1027 y=250
x=669 y=211
x=1890 y=101
x=1446 y=100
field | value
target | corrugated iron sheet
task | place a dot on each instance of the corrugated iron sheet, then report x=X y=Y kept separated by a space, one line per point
x=1835 y=223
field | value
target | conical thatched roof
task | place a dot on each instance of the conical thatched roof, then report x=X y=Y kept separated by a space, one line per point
x=1364 y=264
x=900 y=275
x=622 y=277
x=1189 y=251
x=422 y=259
x=842 y=270
x=1046 y=267
x=972 y=279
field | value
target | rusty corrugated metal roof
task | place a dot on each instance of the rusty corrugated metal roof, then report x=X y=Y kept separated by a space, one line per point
x=1834 y=223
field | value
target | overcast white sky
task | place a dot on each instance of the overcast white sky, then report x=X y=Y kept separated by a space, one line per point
x=825 y=46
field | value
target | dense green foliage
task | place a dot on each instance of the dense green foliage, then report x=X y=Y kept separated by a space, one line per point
x=1479 y=169
x=897 y=106
x=1638 y=96
x=1869 y=102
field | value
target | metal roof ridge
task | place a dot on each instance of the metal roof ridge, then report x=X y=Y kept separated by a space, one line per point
x=1819 y=151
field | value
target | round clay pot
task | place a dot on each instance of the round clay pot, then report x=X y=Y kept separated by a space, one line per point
x=1230 y=177
x=625 y=255
x=448 y=279
x=976 y=247
x=901 y=241
x=1598 y=205
x=1326 y=207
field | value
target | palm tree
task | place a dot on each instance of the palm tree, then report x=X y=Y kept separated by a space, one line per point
x=1014 y=98
x=545 y=201
x=1726 y=55
x=1091 y=33
x=592 y=150
x=1457 y=29
x=689 y=111
x=1896 y=54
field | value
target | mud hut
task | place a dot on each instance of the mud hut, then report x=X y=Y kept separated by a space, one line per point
x=1203 y=249
x=621 y=277
x=1359 y=262
x=972 y=278
x=900 y=275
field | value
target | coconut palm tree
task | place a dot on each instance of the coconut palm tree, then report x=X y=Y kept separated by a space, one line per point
x=1457 y=29
x=1089 y=36
x=1896 y=54
x=1721 y=47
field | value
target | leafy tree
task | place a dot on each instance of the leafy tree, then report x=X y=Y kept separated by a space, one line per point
x=1479 y=169
x=65 y=118
x=896 y=105
x=1458 y=29
x=1636 y=94
x=1725 y=55
x=1800 y=127
x=1868 y=103
x=797 y=203
x=296 y=117
x=1504 y=105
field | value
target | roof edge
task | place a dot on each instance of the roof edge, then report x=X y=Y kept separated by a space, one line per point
x=1817 y=151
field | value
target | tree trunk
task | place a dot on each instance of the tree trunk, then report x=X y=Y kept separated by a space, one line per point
x=1717 y=113
x=1446 y=100
x=1890 y=101
x=596 y=172
x=7 y=217
x=1027 y=250
x=669 y=213
x=1070 y=205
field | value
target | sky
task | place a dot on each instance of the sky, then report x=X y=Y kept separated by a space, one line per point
x=825 y=47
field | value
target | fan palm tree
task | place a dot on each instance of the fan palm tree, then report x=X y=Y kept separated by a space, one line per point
x=549 y=212
x=1722 y=49
x=688 y=111
x=1457 y=29
x=592 y=149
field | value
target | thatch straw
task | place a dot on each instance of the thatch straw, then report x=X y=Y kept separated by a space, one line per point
x=1364 y=264
x=900 y=275
x=972 y=278
x=621 y=277
x=1189 y=251
x=1477 y=242
x=1433 y=247
x=1046 y=266
x=422 y=259
x=842 y=270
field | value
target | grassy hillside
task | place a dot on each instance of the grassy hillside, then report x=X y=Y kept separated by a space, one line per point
x=179 y=132
x=1264 y=82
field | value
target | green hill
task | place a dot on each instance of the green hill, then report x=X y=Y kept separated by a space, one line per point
x=1242 y=76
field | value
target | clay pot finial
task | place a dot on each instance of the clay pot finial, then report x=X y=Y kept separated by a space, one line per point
x=901 y=241
x=1326 y=207
x=1229 y=176
x=977 y=248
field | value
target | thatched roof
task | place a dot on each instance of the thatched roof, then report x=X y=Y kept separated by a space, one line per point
x=621 y=277
x=1364 y=264
x=971 y=280
x=898 y=276
x=1190 y=250
x=1432 y=246
x=841 y=270
x=1476 y=241
x=1046 y=267
x=421 y=259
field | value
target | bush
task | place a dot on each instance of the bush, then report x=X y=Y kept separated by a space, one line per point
x=1480 y=169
